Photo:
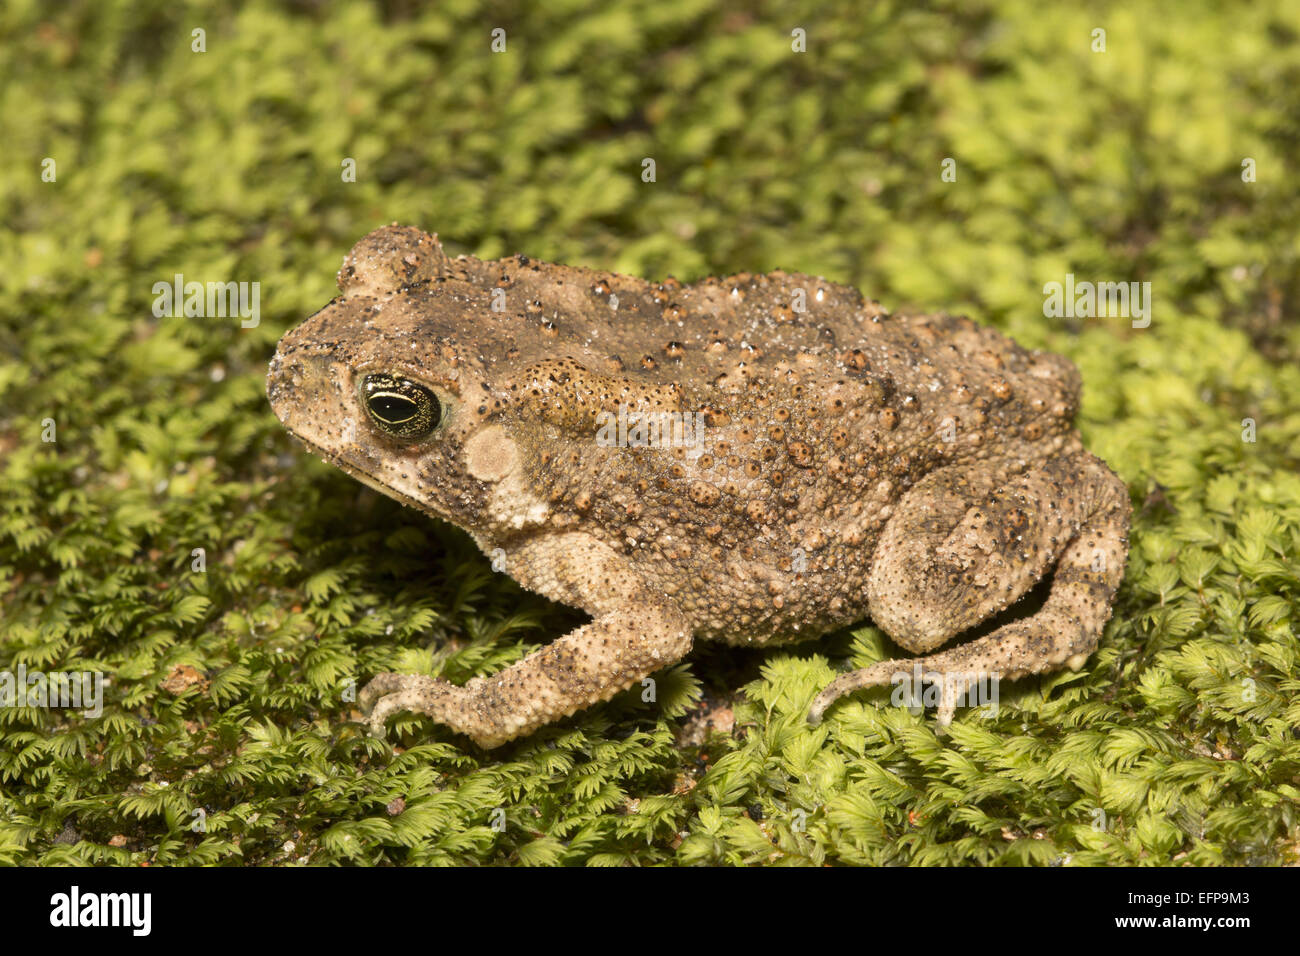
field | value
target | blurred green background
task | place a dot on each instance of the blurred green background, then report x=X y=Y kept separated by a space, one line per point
x=226 y=737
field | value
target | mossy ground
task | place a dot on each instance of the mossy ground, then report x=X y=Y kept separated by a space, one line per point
x=1177 y=743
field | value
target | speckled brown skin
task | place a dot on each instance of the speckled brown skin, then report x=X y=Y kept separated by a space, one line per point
x=918 y=469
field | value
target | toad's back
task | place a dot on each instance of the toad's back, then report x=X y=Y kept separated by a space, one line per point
x=820 y=411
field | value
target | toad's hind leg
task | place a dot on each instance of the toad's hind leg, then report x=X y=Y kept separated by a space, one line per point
x=963 y=546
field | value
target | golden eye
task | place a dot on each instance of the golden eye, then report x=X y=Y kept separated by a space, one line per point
x=399 y=407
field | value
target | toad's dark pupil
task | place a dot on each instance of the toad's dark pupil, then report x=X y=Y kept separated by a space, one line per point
x=393 y=408
x=400 y=408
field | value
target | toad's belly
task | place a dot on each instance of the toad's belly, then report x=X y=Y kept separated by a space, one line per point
x=798 y=596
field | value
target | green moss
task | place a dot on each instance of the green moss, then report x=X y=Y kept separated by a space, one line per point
x=227 y=690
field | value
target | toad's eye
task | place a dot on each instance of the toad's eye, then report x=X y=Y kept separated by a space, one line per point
x=400 y=408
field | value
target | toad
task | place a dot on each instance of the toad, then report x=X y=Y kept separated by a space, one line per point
x=754 y=459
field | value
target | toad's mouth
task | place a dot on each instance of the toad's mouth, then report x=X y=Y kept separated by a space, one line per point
x=365 y=477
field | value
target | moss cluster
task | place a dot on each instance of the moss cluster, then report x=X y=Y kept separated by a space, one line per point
x=226 y=734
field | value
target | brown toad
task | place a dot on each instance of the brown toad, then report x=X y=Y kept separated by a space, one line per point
x=754 y=459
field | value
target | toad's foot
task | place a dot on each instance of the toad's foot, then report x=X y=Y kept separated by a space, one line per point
x=969 y=675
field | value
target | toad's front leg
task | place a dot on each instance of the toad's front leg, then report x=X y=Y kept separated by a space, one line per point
x=634 y=633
